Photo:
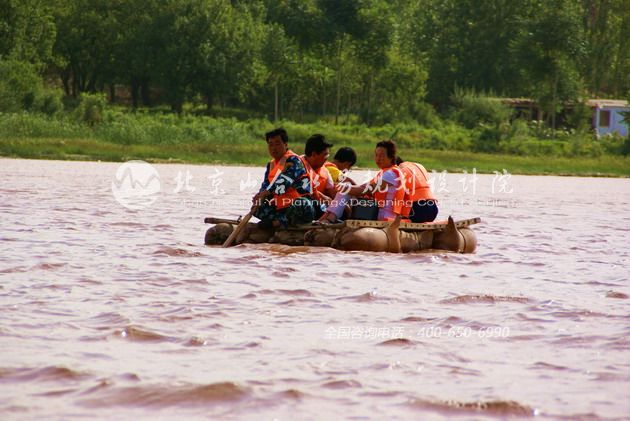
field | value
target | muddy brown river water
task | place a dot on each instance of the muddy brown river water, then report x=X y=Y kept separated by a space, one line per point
x=108 y=312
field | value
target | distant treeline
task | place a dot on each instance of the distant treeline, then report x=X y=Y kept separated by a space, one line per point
x=381 y=60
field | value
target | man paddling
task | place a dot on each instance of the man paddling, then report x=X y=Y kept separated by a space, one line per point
x=284 y=196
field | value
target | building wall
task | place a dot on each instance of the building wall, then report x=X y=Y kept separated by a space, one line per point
x=616 y=125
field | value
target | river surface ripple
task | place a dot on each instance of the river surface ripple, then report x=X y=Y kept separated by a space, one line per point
x=112 y=313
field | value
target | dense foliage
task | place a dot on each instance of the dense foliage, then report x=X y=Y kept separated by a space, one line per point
x=380 y=61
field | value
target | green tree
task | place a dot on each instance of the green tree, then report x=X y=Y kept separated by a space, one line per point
x=229 y=51
x=138 y=47
x=301 y=20
x=374 y=51
x=607 y=25
x=207 y=47
x=20 y=85
x=400 y=88
x=465 y=43
x=279 y=54
x=27 y=31
x=548 y=49
x=87 y=33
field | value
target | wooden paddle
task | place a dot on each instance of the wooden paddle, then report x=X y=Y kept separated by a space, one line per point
x=240 y=227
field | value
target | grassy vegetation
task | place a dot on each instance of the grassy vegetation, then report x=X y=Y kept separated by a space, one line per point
x=117 y=135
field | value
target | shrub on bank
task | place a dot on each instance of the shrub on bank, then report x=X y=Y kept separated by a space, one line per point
x=22 y=89
x=91 y=109
x=20 y=85
x=472 y=109
x=23 y=125
x=51 y=102
x=583 y=144
x=615 y=144
x=534 y=147
x=203 y=133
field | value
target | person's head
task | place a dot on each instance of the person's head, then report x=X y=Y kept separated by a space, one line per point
x=317 y=150
x=277 y=142
x=385 y=153
x=345 y=158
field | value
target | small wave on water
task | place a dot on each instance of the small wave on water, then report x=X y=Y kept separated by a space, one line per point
x=55 y=393
x=134 y=333
x=50 y=373
x=454 y=321
x=196 y=341
x=496 y=408
x=540 y=365
x=615 y=294
x=16 y=269
x=295 y=292
x=577 y=341
x=578 y=314
x=298 y=293
x=176 y=314
x=105 y=383
x=107 y=320
x=292 y=394
x=286 y=250
x=412 y=319
x=173 y=251
x=342 y=384
x=483 y=299
x=611 y=377
x=280 y=274
x=621 y=344
x=166 y=396
x=130 y=225
x=48 y=266
x=402 y=342
x=301 y=301
x=368 y=297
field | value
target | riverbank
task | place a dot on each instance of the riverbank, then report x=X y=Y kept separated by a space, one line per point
x=256 y=155
x=119 y=136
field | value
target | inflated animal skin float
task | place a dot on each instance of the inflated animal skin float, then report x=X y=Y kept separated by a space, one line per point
x=360 y=235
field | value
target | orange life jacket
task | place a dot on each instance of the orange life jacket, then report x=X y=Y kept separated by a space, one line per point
x=285 y=199
x=416 y=185
x=381 y=189
x=318 y=178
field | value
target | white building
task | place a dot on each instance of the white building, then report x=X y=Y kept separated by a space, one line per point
x=608 y=117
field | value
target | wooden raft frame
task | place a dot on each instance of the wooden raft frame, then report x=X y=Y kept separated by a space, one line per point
x=356 y=223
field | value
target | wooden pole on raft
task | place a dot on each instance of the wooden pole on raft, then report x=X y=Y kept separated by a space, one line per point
x=240 y=227
x=355 y=223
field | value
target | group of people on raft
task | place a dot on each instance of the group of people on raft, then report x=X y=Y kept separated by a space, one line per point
x=300 y=189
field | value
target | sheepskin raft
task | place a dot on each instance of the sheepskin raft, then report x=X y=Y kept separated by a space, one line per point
x=357 y=235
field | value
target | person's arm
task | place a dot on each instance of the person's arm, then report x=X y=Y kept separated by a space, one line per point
x=346 y=179
x=263 y=192
x=391 y=179
x=265 y=183
x=354 y=190
x=391 y=183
